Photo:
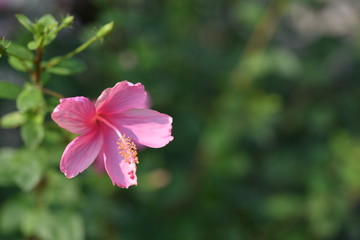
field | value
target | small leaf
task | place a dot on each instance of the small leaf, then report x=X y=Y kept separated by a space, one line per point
x=30 y=220
x=19 y=51
x=32 y=133
x=30 y=98
x=9 y=90
x=25 y=22
x=57 y=184
x=12 y=120
x=12 y=213
x=68 y=67
x=64 y=225
x=34 y=44
x=6 y=156
x=50 y=37
x=47 y=21
x=46 y=31
x=27 y=166
x=20 y=64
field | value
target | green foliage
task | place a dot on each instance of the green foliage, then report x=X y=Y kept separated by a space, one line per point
x=32 y=132
x=265 y=112
x=31 y=106
x=20 y=58
x=26 y=22
x=19 y=64
x=44 y=30
x=29 y=99
x=68 y=67
x=19 y=51
x=62 y=225
x=13 y=214
x=6 y=173
x=40 y=212
x=28 y=169
x=9 y=90
x=12 y=120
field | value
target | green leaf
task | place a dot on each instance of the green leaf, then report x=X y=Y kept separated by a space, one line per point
x=68 y=67
x=47 y=21
x=12 y=213
x=64 y=225
x=19 y=51
x=20 y=64
x=58 y=184
x=46 y=31
x=50 y=37
x=9 y=90
x=34 y=44
x=27 y=165
x=30 y=221
x=283 y=206
x=6 y=156
x=20 y=58
x=30 y=98
x=12 y=120
x=25 y=22
x=32 y=133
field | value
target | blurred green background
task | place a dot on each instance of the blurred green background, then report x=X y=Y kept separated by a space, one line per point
x=264 y=96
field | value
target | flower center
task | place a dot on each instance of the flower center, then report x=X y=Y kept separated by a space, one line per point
x=128 y=149
x=126 y=146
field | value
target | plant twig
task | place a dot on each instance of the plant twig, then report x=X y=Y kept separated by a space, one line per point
x=82 y=47
x=37 y=64
x=52 y=93
x=100 y=34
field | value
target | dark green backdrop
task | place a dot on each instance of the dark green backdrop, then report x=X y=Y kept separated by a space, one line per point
x=265 y=100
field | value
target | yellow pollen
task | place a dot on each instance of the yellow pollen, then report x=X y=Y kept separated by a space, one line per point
x=128 y=149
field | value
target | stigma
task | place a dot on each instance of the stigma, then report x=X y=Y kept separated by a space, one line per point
x=127 y=149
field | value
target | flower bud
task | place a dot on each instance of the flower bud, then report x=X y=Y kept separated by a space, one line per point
x=105 y=30
x=67 y=21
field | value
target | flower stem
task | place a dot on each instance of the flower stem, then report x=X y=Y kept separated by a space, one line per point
x=82 y=47
x=52 y=93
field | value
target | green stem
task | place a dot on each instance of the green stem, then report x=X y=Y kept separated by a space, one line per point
x=82 y=47
x=52 y=93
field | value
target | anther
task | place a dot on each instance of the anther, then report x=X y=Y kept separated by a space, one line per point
x=128 y=149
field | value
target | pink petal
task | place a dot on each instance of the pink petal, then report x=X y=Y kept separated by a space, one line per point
x=124 y=95
x=121 y=173
x=147 y=127
x=75 y=114
x=99 y=163
x=80 y=153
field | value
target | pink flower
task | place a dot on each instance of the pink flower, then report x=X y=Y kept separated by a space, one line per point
x=110 y=129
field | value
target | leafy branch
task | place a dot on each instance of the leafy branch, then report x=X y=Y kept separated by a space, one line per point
x=29 y=59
